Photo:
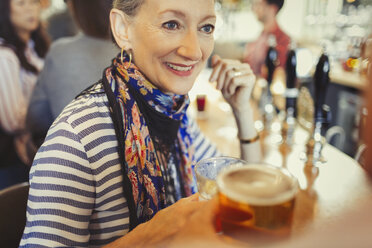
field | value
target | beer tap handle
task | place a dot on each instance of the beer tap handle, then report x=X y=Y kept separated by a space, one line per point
x=321 y=82
x=327 y=117
x=322 y=113
x=291 y=79
x=291 y=69
x=271 y=60
x=271 y=64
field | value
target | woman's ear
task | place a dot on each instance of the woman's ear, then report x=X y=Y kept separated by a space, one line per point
x=119 y=27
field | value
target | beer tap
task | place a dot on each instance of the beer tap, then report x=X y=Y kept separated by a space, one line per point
x=291 y=94
x=271 y=63
x=321 y=111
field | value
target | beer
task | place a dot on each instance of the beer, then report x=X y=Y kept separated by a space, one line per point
x=256 y=202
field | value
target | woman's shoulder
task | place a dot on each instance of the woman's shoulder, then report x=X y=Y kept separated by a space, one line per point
x=88 y=99
x=90 y=108
x=7 y=53
x=85 y=124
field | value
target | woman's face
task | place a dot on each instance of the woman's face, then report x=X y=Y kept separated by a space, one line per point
x=24 y=15
x=171 y=41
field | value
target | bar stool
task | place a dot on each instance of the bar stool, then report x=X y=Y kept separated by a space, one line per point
x=13 y=205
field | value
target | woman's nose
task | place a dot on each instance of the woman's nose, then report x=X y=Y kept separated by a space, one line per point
x=190 y=47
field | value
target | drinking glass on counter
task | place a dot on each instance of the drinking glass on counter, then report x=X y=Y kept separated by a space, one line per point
x=206 y=172
x=201 y=101
x=256 y=202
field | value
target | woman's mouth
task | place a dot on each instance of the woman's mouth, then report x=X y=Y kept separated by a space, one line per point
x=32 y=20
x=180 y=70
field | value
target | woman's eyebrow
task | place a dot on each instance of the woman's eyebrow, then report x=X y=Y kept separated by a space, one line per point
x=175 y=12
x=210 y=17
x=180 y=14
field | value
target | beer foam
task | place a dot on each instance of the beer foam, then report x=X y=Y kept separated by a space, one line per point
x=257 y=185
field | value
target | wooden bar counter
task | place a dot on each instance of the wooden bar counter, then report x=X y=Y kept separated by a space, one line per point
x=326 y=191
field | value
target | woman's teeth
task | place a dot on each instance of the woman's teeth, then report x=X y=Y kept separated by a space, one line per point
x=179 y=68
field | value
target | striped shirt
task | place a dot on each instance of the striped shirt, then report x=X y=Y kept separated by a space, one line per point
x=76 y=196
x=16 y=86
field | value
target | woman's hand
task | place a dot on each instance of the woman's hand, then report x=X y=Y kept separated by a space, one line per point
x=200 y=230
x=235 y=80
x=162 y=228
x=169 y=222
x=188 y=222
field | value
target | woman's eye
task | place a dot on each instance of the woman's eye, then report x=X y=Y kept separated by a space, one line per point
x=209 y=28
x=171 y=25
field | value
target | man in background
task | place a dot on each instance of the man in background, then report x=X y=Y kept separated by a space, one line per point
x=266 y=12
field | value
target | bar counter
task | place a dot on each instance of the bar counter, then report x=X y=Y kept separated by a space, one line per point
x=326 y=191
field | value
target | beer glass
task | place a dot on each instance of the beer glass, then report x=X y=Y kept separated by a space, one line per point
x=206 y=172
x=256 y=202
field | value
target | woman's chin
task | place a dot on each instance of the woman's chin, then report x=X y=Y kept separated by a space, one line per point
x=178 y=90
x=32 y=27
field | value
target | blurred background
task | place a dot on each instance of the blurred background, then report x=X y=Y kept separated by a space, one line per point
x=341 y=28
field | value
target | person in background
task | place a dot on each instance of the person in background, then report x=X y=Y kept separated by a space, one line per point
x=119 y=157
x=61 y=24
x=72 y=64
x=23 y=45
x=255 y=52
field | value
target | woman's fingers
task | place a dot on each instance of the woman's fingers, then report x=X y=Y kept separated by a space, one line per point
x=220 y=69
x=226 y=66
x=215 y=61
x=207 y=213
x=185 y=206
x=230 y=74
x=238 y=78
x=194 y=197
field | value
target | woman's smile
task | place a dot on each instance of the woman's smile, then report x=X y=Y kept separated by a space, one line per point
x=180 y=69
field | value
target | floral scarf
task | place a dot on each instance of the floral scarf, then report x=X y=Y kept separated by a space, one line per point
x=152 y=161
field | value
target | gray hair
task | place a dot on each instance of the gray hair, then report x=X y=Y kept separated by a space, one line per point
x=129 y=7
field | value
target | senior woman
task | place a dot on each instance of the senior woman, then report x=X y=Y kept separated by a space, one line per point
x=120 y=154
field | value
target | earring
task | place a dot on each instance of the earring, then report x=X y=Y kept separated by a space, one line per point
x=121 y=58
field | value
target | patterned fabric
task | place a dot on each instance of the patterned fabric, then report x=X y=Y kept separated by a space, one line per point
x=149 y=161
